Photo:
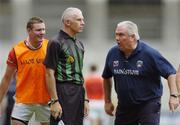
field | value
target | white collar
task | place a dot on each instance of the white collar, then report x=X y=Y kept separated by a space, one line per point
x=28 y=43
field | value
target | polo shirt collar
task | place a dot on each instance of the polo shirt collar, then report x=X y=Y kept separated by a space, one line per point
x=138 y=47
x=65 y=35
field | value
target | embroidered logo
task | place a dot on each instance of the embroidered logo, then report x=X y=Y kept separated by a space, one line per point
x=115 y=63
x=139 y=63
x=70 y=59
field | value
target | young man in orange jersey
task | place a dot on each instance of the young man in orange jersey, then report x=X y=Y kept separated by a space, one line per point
x=26 y=59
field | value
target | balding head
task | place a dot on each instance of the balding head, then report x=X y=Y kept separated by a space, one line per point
x=69 y=13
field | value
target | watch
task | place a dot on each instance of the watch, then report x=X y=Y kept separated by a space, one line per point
x=173 y=95
x=87 y=100
x=52 y=101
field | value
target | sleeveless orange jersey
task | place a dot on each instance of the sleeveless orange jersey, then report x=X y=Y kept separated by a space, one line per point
x=94 y=87
x=30 y=84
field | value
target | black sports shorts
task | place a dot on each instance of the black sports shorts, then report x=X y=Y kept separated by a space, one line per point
x=71 y=98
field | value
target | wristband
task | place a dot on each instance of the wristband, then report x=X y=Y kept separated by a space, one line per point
x=173 y=95
x=87 y=100
x=52 y=101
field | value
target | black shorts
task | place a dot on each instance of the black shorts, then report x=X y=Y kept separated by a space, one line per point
x=71 y=98
x=144 y=114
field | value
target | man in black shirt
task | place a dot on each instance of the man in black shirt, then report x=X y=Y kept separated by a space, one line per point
x=64 y=62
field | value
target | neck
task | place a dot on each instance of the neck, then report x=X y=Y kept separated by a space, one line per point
x=128 y=52
x=134 y=46
x=69 y=32
x=33 y=45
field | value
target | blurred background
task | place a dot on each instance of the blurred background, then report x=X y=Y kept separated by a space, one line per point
x=158 y=22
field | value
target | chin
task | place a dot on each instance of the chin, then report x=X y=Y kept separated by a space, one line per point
x=40 y=41
x=80 y=31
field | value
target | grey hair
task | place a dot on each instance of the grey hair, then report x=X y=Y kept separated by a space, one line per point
x=68 y=13
x=131 y=27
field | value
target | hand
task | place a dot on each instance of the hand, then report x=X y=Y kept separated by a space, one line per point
x=86 y=108
x=109 y=108
x=56 y=110
x=0 y=111
x=173 y=103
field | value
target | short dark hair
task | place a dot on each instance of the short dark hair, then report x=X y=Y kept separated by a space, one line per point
x=32 y=21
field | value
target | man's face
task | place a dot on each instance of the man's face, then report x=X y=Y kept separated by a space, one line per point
x=124 y=40
x=77 y=22
x=37 y=32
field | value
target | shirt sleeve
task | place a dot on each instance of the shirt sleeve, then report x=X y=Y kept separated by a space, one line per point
x=107 y=71
x=12 y=61
x=164 y=67
x=51 y=59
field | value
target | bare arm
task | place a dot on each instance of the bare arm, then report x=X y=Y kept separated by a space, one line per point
x=56 y=109
x=173 y=101
x=86 y=103
x=107 y=89
x=109 y=107
x=51 y=83
x=172 y=84
x=4 y=85
x=178 y=79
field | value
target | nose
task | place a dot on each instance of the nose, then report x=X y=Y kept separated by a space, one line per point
x=117 y=37
x=43 y=31
x=82 y=22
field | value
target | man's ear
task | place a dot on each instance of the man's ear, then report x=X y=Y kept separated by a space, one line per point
x=133 y=36
x=68 y=22
x=28 y=30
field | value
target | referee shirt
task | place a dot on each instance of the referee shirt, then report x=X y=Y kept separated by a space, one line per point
x=65 y=55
